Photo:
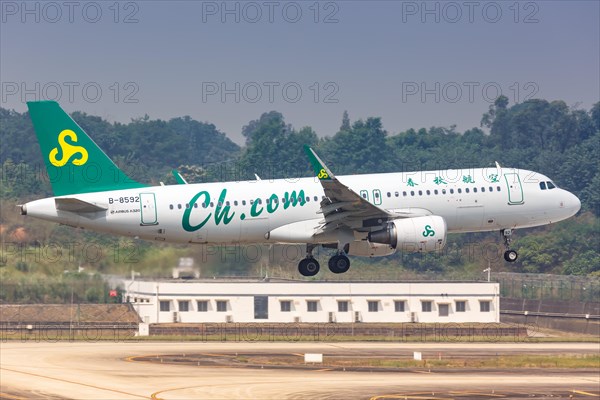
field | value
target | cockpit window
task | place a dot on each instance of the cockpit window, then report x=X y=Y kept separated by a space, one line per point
x=550 y=185
x=543 y=185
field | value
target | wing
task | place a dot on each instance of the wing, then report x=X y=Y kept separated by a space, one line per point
x=342 y=205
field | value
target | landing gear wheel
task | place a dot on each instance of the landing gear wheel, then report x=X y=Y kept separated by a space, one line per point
x=510 y=255
x=339 y=264
x=309 y=267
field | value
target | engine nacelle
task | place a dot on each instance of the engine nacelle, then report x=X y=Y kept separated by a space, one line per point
x=419 y=234
x=364 y=248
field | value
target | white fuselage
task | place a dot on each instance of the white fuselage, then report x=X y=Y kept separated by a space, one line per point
x=472 y=200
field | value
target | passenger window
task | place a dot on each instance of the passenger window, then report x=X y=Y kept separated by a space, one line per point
x=204 y=205
x=443 y=191
x=420 y=193
x=307 y=199
x=435 y=191
x=460 y=190
x=451 y=191
x=404 y=194
x=396 y=194
x=498 y=188
x=491 y=189
x=550 y=185
x=212 y=204
x=195 y=205
x=187 y=205
x=467 y=190
x=315 y=198
x=235 y=202
x=227 y=203
x=482 y=189
x=170 y=206
x=474 y=190
x=389 y=194
x=428 y=192
x=243 y=202
x=412 y=192
x=179 y=206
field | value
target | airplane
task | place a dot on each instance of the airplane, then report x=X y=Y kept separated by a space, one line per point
x=368 y=215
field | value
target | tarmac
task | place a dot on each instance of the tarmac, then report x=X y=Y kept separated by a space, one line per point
x=132 y=370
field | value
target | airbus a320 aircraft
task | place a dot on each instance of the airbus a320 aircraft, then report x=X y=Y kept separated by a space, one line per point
x=364 y=215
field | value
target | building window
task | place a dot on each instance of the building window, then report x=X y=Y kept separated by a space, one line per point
x=311 y=306
x=165 y=305
x=261 y=307
x=221 y=305
x=461 y=306
x=286 y=306
x=184 y=306
x=202 y=305
x=484 y=306
x=342 y=306
x=399 y=305
x=443 y=310
x=373 y=306
x=426 y=306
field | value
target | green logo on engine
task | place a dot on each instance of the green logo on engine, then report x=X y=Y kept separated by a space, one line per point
x=428 y=231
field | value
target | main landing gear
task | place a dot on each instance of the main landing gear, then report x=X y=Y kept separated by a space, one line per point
x=339 y=263
x=309 y=266
x=509 y=255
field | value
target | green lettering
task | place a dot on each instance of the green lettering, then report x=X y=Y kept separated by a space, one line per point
x=224 y=214
x=253 y=210
x=185 y=222
x=273 y=204
x=293 y=199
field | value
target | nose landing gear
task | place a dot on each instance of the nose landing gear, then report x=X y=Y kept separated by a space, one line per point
x=509 y=255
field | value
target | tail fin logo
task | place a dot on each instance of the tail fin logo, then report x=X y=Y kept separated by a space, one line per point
x=68 y=150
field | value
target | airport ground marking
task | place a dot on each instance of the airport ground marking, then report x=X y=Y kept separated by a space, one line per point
x=10 y=396
x=586 y=393
x=74 y=383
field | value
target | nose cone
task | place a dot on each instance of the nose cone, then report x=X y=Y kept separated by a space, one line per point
x=572 y=203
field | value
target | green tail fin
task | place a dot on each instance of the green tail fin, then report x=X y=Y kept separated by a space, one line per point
x=74 y=162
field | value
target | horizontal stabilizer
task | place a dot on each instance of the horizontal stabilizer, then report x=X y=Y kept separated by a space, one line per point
x=77 y=206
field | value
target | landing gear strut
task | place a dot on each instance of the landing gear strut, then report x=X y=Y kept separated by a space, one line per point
x=309 y=266
x=339 y=263
x=509 y=255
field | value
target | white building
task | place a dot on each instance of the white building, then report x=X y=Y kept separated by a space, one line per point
x=276 y=301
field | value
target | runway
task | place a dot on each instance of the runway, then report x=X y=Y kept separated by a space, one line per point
x=109 y=370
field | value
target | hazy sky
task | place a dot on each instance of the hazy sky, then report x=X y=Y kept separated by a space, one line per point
x=415 y=64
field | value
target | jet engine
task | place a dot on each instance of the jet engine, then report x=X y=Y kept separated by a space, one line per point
x=418 y=234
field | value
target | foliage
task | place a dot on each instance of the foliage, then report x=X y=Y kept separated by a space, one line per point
x=545 y=136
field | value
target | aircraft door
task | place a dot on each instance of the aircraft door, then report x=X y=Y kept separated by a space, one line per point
x=515 y=189
x=364 y=194
x=148 y=209
x=377 y=197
